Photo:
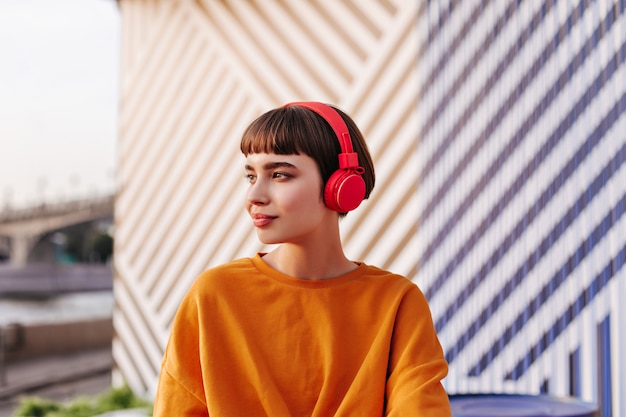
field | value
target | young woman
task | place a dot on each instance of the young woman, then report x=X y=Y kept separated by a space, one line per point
x=303 y=330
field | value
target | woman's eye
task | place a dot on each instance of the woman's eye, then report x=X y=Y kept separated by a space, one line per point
x=249 y=178
x=280 y=175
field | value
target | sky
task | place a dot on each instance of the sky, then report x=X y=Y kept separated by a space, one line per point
x=59 y=95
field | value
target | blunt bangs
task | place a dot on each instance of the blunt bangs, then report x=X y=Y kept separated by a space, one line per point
x=270 y=133
x=291 y=131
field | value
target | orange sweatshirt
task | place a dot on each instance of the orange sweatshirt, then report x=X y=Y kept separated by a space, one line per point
x=249 y=341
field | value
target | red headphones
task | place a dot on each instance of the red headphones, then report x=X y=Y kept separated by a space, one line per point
x=345 y=189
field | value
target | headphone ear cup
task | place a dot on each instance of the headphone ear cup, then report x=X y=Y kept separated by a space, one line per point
x=344 y=190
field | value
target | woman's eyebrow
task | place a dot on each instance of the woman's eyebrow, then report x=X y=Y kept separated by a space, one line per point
x=272 y=165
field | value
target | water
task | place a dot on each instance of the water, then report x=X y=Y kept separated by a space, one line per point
x=59 y=308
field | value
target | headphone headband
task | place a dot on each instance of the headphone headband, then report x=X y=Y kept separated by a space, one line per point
x=345 y=188
x=347 y=158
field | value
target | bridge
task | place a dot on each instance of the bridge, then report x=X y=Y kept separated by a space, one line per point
x=21 y=229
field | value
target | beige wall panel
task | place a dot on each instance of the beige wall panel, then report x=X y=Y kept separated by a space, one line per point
x=194 y=74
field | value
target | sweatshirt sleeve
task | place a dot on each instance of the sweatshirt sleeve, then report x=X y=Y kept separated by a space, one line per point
x=173 y=399
x=180 y=389
x=416 y=363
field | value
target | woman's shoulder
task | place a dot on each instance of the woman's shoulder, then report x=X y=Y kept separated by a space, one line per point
x=226 y=271
x=233 y=266
x=377 y=273
x=387 y=281
x=397 y=286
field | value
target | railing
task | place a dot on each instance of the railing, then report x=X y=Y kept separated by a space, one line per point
x=9 y=215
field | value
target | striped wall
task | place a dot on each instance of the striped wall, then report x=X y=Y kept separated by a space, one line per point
x=498 y=134
x=521 y=194
x=194 y=74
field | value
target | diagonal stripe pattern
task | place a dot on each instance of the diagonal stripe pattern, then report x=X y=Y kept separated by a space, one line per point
x=194 y=73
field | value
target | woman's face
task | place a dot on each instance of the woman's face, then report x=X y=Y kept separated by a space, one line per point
x=284 y=198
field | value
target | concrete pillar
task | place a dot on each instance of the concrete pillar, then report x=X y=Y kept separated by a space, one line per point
x=20 y=248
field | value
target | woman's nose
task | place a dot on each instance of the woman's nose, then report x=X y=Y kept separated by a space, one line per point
x=257 y=193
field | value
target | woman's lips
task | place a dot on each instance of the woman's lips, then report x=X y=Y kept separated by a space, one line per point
x=261 y=220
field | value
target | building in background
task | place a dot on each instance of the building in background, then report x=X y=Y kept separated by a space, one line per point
x=497 y=129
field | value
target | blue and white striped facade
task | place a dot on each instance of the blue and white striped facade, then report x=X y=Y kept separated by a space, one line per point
x=521 y=194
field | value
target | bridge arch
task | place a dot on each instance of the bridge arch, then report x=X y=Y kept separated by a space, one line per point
x=21 y=229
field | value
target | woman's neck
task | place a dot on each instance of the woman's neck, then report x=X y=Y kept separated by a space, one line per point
x=323 y=262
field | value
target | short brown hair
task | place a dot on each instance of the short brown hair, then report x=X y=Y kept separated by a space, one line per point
x=294 y=130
